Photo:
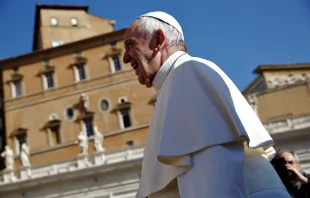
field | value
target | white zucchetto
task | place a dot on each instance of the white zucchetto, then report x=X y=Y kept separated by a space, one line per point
x=166 y=18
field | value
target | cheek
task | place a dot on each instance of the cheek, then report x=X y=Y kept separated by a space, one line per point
x=142 y=53
x=136 y=51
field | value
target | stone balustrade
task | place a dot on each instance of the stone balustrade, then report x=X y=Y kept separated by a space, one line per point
x=100 y=159
x=288 y=124
x=80 y=163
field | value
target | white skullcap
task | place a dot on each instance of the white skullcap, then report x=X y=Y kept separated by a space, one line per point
x=166 y=18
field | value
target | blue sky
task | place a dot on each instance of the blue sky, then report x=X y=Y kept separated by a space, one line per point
x=238 y=35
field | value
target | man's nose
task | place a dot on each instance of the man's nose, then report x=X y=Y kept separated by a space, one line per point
x=126 y=57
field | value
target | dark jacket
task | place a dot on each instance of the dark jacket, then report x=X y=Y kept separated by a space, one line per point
x=298 y=190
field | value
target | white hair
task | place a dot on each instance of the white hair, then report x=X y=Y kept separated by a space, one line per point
x=149 y=25
x=280 y=151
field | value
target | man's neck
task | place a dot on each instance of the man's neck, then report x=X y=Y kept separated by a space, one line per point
x=167 y=53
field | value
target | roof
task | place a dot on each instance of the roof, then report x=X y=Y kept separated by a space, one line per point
x=62 y=7
x=52 y=7
x=254 y=82
x=281 y=67
x=45 y=54
x=260 y=69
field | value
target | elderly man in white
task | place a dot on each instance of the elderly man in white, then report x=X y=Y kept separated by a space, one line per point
x=204 y=139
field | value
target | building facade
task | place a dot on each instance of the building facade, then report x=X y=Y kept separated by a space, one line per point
x=66 y=100
x=280 y=96
x=74 y=119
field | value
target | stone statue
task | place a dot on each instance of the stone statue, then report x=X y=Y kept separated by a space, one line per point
x=9 y=158
x=98 y=140
x=83 y=143
x=24 y=155
x=85 y=100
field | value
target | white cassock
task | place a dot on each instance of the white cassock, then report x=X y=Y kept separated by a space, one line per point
x=204 y=139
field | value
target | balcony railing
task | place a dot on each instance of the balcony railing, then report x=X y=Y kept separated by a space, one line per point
x=99 y=159
x=80 y=163
x=288 y=124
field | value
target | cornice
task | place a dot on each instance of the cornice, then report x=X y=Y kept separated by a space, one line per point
x=62 y=50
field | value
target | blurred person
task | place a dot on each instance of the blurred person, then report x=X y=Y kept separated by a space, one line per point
x=204 y=139
x=296 y=181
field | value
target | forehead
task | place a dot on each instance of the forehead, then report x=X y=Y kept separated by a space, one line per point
x=132 y=34
x=287 y=156
x=131 y=31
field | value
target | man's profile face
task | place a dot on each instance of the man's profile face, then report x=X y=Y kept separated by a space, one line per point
x=290 y=159
x=141 y=54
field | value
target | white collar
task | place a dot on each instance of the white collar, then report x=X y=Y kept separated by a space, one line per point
x=164 y=70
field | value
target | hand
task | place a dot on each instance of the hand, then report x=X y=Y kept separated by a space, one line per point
x=297 y=176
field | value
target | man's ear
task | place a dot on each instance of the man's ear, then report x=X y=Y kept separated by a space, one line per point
x=160 y=38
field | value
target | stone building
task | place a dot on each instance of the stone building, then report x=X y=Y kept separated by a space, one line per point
x=63 y=102
x=74 y=119
x=280 y=95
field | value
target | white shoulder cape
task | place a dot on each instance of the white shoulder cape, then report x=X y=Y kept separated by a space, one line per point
x=198 y=107
x=204 y=108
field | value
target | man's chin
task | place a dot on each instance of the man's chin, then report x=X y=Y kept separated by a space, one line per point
x=144 y=81
x=147 y=85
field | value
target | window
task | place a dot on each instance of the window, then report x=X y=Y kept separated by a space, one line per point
x=124 y=113
x=16 y=88
x=116 y=64
x=74 y=21
x=16 y=69
x=54 y=136
x=78 y=53
x=48 y=80
x=54 y=21
x=69 y=114
x=125 y=118
x=129 y=143
x=104 y=105
x=56 y=43
x=80 y=72
x=19 y=140
x=88 y=126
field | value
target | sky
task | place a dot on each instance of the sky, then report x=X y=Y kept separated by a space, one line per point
x=237 y=35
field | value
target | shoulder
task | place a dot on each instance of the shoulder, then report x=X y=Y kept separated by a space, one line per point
x=188 y=63
x=199 y=68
